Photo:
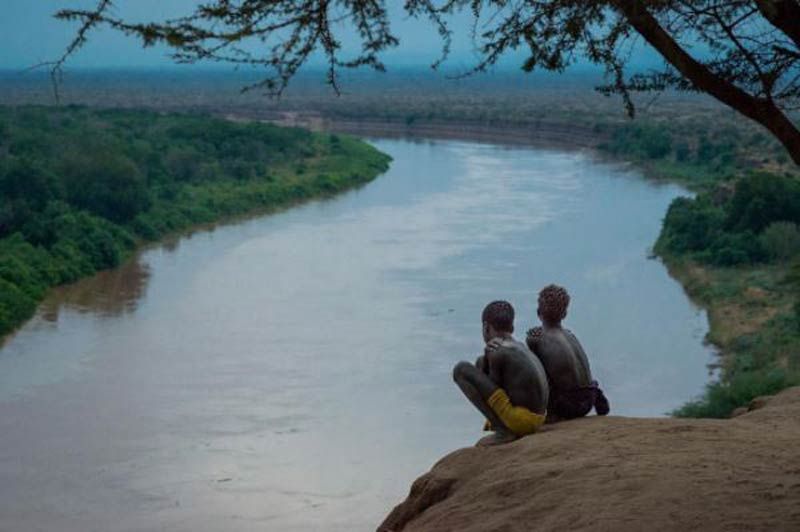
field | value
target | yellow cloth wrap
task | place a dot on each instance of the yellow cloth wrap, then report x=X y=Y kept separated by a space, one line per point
x=518 y=419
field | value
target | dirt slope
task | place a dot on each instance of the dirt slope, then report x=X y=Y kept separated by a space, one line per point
x=620 y=473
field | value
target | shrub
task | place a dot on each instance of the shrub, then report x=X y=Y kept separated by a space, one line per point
x=781 y=240
x=721 y=399
x=107 y=184
x=761 y=199
x=733 y=249
x=183 y=164
x=648 y=142
x=657 y=144
x=682 y=152
x=13 y=303
x=690 y=225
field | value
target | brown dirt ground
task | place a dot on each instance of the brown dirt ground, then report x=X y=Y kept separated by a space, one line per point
x=620 y=474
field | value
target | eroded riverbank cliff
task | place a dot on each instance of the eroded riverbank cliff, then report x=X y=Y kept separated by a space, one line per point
x=542 y=133
x=620 y=473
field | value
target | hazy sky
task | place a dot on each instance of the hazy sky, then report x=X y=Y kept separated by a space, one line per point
x=29 y=35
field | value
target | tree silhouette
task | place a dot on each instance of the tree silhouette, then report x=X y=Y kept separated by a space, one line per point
x=744 y=53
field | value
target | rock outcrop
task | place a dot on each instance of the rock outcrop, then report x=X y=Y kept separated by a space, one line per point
x=619 y=473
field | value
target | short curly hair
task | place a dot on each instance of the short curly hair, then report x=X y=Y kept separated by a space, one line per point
x=500 y=315
x=553 y=303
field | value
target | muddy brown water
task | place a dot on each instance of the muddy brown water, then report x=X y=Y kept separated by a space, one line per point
x=292 y=372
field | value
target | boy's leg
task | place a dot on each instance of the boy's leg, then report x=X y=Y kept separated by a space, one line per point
x=480 y=363
x=478 y=387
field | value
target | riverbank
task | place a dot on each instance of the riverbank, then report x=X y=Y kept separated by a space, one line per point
x=540 y=133
x=753 y=324
x=698 y=148
x=84 y=188
x=618 y=473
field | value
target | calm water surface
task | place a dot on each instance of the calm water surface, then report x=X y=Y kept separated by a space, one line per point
x=293 y=372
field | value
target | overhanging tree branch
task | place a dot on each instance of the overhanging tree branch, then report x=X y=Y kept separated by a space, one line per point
x=784 y=15
x=750 y=59
x=761 y=110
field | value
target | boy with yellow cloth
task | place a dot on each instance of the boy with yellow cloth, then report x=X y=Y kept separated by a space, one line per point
x=507 y=384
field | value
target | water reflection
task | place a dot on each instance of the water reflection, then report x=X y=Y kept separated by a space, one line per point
x=109 y=293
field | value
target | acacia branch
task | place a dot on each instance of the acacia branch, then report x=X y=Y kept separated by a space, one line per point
x=751 y=66
x=760 y=110
x=784 y=15
x=92 y=19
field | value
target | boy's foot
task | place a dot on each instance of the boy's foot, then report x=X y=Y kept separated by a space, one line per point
x=498 y=438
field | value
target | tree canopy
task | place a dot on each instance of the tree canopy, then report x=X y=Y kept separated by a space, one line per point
x=744 y=53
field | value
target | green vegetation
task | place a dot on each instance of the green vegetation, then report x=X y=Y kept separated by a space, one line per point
x=79 y=189
x=690 y=152
x=753 y=314
x=737 y=251
x=722 y=398
x=757 y=223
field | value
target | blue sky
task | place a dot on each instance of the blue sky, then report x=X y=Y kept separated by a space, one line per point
x=30 y=35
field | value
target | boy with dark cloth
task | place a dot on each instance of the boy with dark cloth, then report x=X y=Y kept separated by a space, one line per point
x=573 y=393
x=508 y=383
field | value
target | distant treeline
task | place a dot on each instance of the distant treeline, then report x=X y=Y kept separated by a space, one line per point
x=80 y=188
x=699 y=155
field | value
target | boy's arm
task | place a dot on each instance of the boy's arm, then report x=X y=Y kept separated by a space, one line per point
x=495 y=360
x=580 y=353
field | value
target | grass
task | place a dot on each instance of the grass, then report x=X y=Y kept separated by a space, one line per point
x=752 y=321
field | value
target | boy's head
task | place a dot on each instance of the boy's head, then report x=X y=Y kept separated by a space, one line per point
x=553 y=303
x=498 y=319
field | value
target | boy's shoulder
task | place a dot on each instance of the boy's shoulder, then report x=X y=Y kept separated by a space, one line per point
x=569 y=334
x=504 y=346
x=539 y=332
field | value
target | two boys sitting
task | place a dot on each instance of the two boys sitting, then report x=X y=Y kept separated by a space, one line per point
x=517 y=387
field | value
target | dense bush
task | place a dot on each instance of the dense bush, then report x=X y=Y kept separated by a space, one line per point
x=648 y=142
x=781 y=241
x=732 y=249
x=691 y=224
x=105 y=183
x=693 y=154
x=79 y=188
x=756 y=224
x=761 y=199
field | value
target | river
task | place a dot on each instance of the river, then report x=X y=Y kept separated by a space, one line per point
x=293 y=372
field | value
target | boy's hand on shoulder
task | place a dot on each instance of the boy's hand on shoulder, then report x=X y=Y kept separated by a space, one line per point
x=535 y=333
x=493 y=345
x=533 y=337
